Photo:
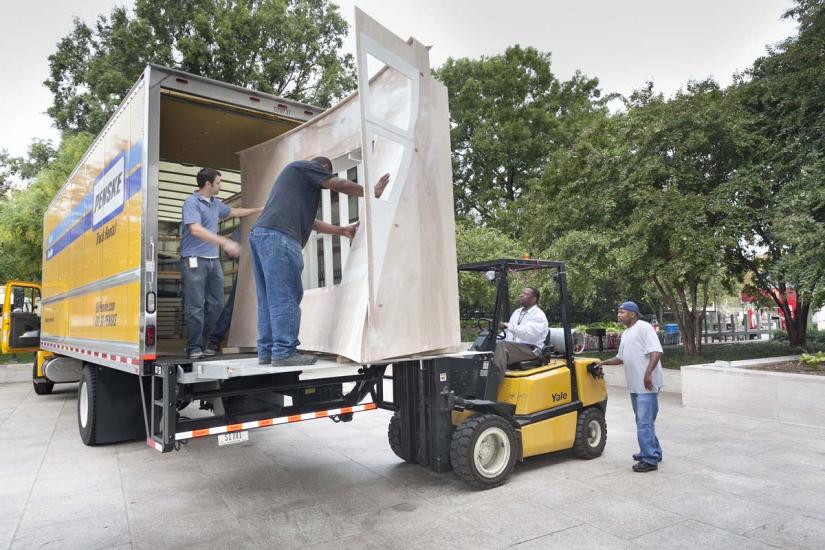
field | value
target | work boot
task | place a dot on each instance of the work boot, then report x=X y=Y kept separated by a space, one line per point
x=643 y=467
x=295 y=360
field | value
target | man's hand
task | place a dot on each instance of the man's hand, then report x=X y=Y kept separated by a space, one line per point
x=381 y=185
x=502 y=326
x=232 y=248
x=649 y=381
x=349 y=230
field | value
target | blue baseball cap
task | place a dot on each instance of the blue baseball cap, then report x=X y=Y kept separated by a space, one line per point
x=630 y=306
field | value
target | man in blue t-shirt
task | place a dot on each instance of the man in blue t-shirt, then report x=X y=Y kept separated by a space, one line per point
x=277 y=240
x=201 y=272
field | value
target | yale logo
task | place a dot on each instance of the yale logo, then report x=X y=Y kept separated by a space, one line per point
x=560 y=396
x=109 y=193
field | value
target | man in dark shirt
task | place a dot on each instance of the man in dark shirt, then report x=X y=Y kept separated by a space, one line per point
x=277 y=240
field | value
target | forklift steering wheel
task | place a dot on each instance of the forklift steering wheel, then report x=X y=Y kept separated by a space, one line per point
x=501 y=334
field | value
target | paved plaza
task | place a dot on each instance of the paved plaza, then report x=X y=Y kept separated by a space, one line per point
x=726 y=482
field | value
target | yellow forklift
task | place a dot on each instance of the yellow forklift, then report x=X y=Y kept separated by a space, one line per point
x=460 y=413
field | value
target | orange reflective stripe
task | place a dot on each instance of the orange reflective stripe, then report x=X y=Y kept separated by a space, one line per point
x=200 y=433
x=234 y=428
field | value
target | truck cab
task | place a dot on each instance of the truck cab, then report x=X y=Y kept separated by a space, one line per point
x=21 y=306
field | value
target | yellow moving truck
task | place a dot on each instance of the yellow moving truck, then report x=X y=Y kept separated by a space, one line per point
x=98 y=314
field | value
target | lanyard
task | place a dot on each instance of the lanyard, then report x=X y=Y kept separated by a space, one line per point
x=521 y=316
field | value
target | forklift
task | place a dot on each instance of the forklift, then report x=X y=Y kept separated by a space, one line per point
x=458 y=412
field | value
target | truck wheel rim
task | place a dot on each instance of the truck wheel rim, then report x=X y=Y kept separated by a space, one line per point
x=594 y=433
x=492 y=452
x=84 y=404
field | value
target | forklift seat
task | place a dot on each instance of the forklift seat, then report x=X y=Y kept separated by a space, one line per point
x=543 y=355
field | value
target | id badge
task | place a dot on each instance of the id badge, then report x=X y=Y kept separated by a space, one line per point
x=193 y=262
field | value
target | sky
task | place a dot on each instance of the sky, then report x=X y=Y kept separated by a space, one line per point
x=624 y=44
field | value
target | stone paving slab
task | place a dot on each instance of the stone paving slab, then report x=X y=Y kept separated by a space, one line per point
x=726 y=482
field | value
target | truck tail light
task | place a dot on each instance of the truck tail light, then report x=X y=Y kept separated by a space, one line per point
x=150 y=335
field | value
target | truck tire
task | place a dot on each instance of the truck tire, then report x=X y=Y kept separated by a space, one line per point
x=40 y=388
x=591 y=433
x=87 y=405
x=483 y=450
x=394 y=435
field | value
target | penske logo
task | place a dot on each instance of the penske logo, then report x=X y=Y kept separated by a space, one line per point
x=109 y=193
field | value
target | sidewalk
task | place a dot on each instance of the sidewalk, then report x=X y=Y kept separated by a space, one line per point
x=726 y=482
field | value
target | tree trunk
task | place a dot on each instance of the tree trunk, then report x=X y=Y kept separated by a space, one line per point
x=798 y=326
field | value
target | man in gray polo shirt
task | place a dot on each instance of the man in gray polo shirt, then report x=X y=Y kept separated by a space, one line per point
x=201 y=272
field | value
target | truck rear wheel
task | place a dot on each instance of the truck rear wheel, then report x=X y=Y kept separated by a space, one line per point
x=87 y=405
x=483 y=450
x=40 y=387
x=591 y=434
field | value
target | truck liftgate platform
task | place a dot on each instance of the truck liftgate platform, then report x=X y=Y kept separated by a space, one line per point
x=240 y=395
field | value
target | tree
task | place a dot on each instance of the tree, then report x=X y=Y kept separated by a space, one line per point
x=285 y=47
x=638 y=199
x=23 y=169
x=21 y=212
x=779 y=205
x=509 y=113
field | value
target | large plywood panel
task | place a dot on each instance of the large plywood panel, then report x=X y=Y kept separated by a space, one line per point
x=398 y=293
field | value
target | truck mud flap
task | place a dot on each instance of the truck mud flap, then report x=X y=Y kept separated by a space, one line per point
x=120 y=411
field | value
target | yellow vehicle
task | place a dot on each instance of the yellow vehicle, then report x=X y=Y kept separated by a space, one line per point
x=110 y=240
x=488 y=422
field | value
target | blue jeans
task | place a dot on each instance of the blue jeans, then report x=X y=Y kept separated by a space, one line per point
x=222 y=324
x=278 y=261
x=646 y=407
x=202 y=299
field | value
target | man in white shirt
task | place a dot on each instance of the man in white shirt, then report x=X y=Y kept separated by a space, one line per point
x=641 y=353
x=526 y=331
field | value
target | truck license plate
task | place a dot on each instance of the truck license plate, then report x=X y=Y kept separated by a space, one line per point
x=232 y=437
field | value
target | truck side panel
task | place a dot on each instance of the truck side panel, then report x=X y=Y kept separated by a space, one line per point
x=92 y=248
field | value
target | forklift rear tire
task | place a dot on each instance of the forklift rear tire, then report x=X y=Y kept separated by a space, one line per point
x=40 y=388
x=394 y=436
x=87 y=405
x=591 y=434
x=483 y=450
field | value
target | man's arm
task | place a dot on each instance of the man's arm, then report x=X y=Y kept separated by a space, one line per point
x=353 y=189
x=345 y=230
x=231 y=247
x=612 y=361
x=651 y=366
x=243 y=212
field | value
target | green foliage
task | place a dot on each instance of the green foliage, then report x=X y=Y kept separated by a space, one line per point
x=285 y=47
x=476 y=243
x=21 y=212
x=23 y=169
x=778 y=205
x=509 y=114
x=815 y=361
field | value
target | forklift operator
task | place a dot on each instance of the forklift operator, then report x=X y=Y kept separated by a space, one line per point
x=524 y=333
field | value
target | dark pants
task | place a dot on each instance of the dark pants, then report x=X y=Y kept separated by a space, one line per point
x=222 y=324
x=510 y=353
x=202 y=299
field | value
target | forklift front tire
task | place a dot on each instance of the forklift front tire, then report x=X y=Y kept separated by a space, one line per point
x=591 y=433
x=394 y=436
x=40 y=388
x=483 y=450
